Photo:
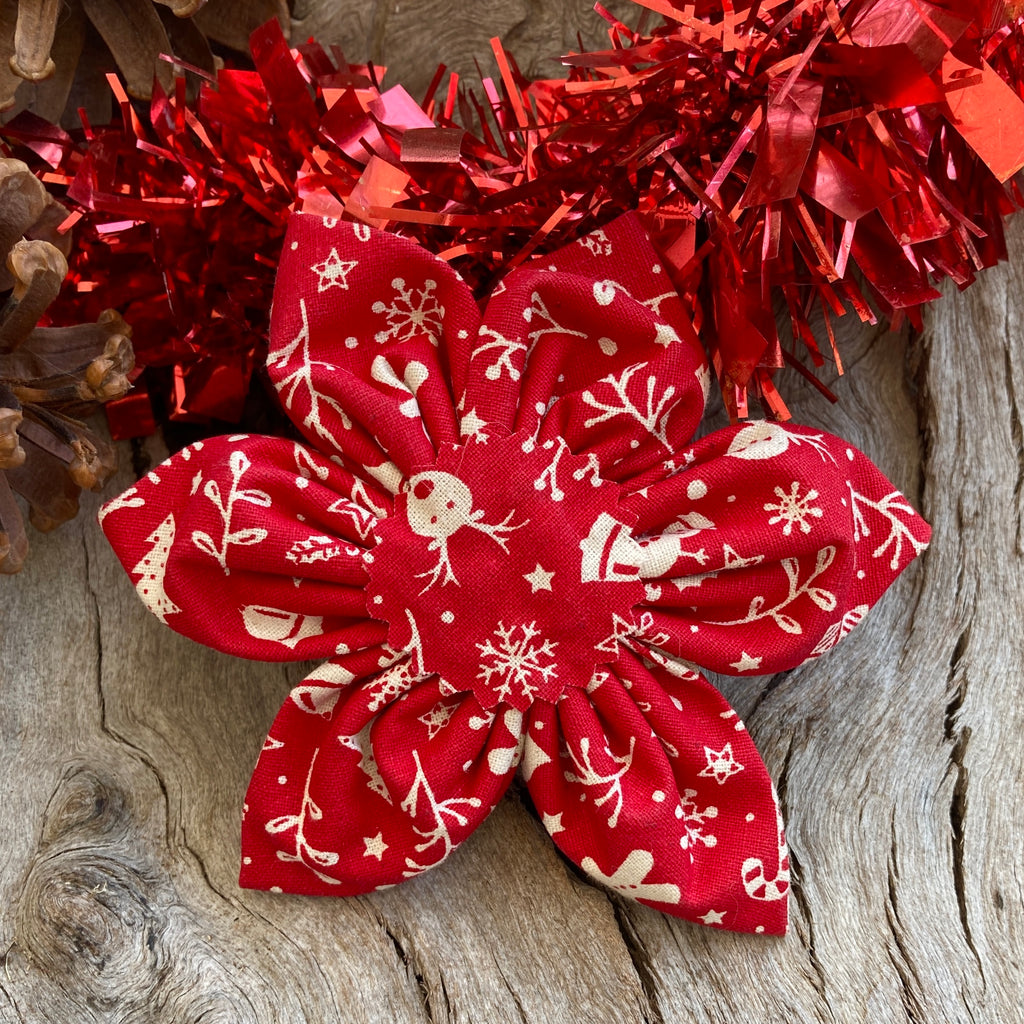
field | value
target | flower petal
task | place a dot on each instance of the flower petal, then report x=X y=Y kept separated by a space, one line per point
x=367 y=340
x=651 y=784
x=598 y=329
x=251 y=545
x=364 y=785
x=768 y=548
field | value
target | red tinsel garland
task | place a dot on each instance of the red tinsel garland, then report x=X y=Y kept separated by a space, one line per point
x=770 y=146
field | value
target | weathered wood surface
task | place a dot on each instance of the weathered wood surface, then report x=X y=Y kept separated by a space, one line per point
x=125 y=751
x=410 y=37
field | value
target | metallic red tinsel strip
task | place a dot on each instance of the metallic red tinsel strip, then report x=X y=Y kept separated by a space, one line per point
x=770 y=146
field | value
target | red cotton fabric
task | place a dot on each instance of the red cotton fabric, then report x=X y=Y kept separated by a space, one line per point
x=510 y=555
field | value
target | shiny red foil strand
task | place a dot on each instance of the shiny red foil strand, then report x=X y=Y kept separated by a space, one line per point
x=770 y=147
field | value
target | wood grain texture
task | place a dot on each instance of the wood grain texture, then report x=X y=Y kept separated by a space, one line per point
x=410 y=37
x=125 y=752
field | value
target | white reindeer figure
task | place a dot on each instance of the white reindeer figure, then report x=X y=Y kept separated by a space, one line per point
x=439 y=505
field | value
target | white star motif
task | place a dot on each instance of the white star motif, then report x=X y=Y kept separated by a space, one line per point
x=538 y=579
x=713 y=917
x=471 y=425
x=375 y=845
x=746 y=663
x=553 y=823
x=721 y=764
x=333 y=271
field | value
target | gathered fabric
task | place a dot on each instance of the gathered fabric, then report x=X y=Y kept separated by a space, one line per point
x=511 y=556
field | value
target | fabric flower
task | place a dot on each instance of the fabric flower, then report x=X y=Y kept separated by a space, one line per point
x=509 y=553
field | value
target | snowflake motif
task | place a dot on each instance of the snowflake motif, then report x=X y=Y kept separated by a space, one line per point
x=693 y=821
x=517 y=662
x=721 y=764
x=411 y=312
x=793 y=509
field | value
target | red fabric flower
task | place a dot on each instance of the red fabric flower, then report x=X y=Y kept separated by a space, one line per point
x=510 y=553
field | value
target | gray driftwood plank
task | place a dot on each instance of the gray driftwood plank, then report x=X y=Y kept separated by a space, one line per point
x=125 y=750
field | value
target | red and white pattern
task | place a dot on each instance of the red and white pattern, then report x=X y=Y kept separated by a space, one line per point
x=509 y=553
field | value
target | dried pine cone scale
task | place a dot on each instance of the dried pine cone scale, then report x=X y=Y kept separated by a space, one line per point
x=50 y=377
x=72 y=366
x=49 y=51
x=38 y=269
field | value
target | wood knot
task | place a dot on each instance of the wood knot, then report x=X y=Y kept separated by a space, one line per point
x=86 y=802
x=89 y=919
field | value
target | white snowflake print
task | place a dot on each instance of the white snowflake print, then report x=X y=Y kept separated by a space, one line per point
x=333 y=271
x=516 y=663
x=721 y=764
x=694 y=821
x=412 y=311
x=361 y=744
x=794 y=510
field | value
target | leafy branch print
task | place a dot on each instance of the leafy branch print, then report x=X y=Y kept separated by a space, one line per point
x=302 y=377
x=245 y=536
x=506 y=347
x=587 y=775
x=440 y=811
x=654 y=419
x=824 y=599
x=305 y=854
x=891 y=508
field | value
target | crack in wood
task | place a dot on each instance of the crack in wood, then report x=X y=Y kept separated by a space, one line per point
x=8 y=989
x=408 y=960
x=641 y=960
x=511 y=991
x=958 y=821
x=959 y=736
x=807 y=940
x=1016 y=432
x=797 y=891
x=899 y=956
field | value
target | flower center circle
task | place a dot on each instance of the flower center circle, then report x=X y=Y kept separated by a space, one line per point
x=508 y=569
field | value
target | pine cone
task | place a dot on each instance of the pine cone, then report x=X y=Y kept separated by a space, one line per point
x=50 y=377
x=55 y=54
